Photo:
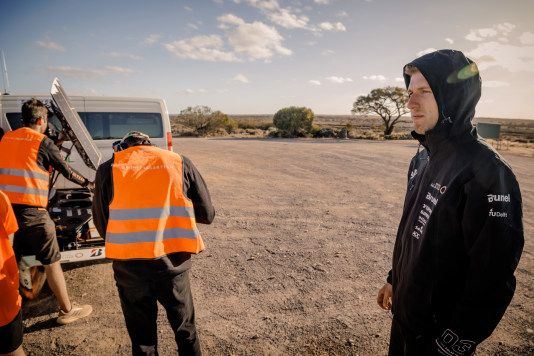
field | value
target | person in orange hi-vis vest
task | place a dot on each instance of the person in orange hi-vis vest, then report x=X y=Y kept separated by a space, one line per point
x=10 y=300
x=147 y=204
x=25 y=157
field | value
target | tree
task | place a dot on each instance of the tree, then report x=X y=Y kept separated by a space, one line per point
x=294 y=121
x=202 y=120
x=389 y=103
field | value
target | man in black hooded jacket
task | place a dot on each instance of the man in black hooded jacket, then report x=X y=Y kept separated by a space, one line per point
x=461 y=235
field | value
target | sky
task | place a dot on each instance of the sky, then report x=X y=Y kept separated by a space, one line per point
x=258 y=56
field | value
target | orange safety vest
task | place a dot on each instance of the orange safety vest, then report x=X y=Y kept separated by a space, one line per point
x=10 y=300
x=149 y=216
x=21 y=178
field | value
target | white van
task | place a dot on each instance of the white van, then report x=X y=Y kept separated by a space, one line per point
x=107 y=120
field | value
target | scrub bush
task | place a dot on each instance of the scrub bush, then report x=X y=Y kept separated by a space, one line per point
x=294 y=121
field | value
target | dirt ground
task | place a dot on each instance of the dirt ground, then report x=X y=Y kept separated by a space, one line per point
x=301 y=243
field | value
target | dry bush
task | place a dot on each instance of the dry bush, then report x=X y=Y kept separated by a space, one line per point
x=294 y=121
x=202 y=121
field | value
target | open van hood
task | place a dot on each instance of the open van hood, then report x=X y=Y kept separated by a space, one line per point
x=74 y=127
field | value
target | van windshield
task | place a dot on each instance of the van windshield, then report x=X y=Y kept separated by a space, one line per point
x=114 y=125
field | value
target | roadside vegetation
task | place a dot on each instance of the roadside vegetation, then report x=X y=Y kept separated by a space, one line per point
x=379 y=115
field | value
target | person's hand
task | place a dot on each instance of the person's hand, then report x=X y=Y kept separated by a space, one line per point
x=91 y=186
x=385 y=294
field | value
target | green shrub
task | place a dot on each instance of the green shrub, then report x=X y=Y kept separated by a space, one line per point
x=204 y=121
x=315 y=130
x=294 y=121
x=230 y=124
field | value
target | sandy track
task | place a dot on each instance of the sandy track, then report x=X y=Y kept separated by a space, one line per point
x=301 y=243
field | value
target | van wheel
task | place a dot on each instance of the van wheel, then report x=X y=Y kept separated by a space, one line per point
x=38 y=278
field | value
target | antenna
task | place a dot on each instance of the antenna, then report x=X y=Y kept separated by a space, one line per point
x=6 y=78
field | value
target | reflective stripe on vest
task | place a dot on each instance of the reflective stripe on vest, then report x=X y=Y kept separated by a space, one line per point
x=21 y=178
x=139 y=227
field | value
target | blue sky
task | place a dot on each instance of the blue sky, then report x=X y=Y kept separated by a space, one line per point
x=257 y=56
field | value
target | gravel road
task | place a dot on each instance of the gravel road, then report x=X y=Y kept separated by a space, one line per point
x=301 y=243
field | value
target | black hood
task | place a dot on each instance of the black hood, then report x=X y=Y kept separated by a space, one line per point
x=456 y=84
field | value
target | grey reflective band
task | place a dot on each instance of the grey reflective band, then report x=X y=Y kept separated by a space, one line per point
x=151 y=236
x=24 y=173
x=150 y=213
x=25 y=190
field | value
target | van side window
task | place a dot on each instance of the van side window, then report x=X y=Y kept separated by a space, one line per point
x=114 y=125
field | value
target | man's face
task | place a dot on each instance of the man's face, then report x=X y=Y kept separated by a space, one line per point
x=422 y=104
x=44 y=124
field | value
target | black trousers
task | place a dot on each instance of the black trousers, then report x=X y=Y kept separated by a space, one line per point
x=403 y=343
x=141 y=285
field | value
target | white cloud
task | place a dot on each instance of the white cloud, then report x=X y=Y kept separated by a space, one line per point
x=375 y=77
x=263 y=4
x=192 y=25
x=480 y=34
x=151 y=39
x=122 y=55
x=328 y=26
x=399 y=80
x=425 y=51
x=449 y=40
x=187 y=8
x=505 y=28
x=194 y=91
x=119 y=70
x=80 y=73
x=241 y=78
x=290 y=17
x=88 y=73
x=205 y=48
x=327 y=52
x=502 y=30
x=51 y=45
x=527 y=38
x=314 y=82
x=494 y=84
x=338 y=80
x=286 y=19
x=230 y=19
x=510 y=57
x=252 y=41
x=255 y=40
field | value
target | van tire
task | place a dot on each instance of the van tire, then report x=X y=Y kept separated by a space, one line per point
x=38 y=278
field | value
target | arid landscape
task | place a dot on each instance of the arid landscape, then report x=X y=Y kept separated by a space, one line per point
x=516 y=135
x=301 y=243
x=516 y=130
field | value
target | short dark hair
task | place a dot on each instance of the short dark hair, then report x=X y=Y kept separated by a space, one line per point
x=410 y=70
x=136 y=138
x=33 y=110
